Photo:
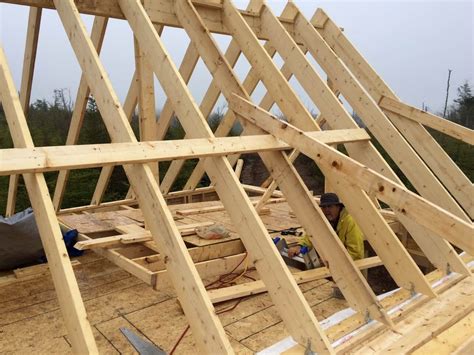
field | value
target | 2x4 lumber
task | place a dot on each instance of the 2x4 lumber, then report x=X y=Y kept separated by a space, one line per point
x=256 y=287
x=146 y=103
x=140 y=236
x=441 y=222
x=440 y=253
x=97 y=36
x=160 y=12
x=354 y=287
x=193 y=211
x=42 y=159
x=393 y=302
x=208 y=102
x=31 y=46
x=379 y=234
x=451 y=339
x=428 y=119
x=429 y=320
x=251 y=81
x=421 y=141
x=105 y=174
x=158 y=218
x=241 y=212
x=297 y=194
x=67 y=290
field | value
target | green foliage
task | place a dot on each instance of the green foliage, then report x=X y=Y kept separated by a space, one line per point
x=49 y=124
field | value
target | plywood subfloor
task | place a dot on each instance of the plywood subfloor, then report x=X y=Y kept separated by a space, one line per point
x=30 y=319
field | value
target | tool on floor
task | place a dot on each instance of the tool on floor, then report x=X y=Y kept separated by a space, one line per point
x=144 y=347
x=306 y=259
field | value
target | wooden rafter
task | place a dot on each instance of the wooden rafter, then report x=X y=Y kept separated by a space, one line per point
x=302 y=203
x=64 y=280
x=441 y=222
x=158 y=218
x=31 y=46
x=97 y=36
x=250 y=227
x=432 y=154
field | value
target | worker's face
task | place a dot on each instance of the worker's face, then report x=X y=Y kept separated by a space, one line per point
x=331 y=212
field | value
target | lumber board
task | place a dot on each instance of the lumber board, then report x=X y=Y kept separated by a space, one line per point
x=29 y=59
x=441 y=222
x=428 y=119
x=193 y=211
x=157 y=216
x=451 y=339
x=97 y=36
x=231 y=193
x=300 y=199
x=421 y=141
x=398 y=262
x=142 y=236
x=69 y=297
x=438 y=251
x=256 y=287
x=43 y=159
x=430 y=319
x=162 y=13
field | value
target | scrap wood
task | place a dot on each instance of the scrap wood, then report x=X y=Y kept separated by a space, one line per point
x=136 y=237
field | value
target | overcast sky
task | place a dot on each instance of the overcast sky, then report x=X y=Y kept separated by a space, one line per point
x=411 y=44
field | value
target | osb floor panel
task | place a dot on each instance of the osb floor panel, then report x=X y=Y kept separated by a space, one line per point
x=30 y=319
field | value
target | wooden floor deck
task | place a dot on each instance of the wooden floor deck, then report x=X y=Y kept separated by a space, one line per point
x=31 y=321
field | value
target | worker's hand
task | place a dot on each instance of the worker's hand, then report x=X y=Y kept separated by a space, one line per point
x=293 y=251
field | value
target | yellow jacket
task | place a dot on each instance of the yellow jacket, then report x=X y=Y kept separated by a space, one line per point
x=348 y=232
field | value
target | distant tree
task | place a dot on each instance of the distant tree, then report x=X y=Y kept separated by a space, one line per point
x=462 y=111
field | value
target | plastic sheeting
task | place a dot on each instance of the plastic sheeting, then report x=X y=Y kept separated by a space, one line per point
x=20 y=242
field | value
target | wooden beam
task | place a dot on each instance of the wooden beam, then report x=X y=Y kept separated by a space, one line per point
x=232 y=54
x=440 y=253
x=439 y=221
x=129 y=107
x=160 y=13
x=67 y=290
x=158 y=218
x=256 y=287
x=379 y=234
x=427 y=119
x=249 y=226
x=86 y=156
x=29 y=59
x=297 y=195
x=142 y=236
x=420 y=140
x=146 y=103
x=97 y=36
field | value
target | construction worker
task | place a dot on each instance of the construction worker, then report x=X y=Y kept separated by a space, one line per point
x=342 y=222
